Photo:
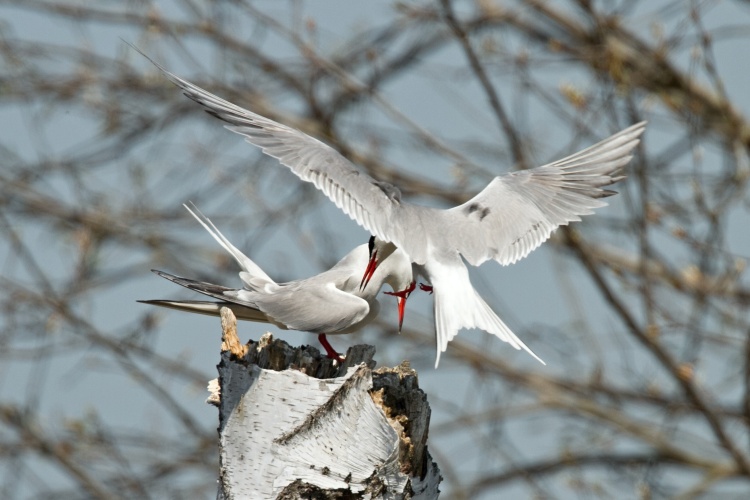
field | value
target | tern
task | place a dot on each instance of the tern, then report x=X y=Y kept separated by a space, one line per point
x=332 y=302
x=512 y=216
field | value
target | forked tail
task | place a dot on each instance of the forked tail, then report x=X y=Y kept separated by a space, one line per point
x=252 y=275
x=458 y=306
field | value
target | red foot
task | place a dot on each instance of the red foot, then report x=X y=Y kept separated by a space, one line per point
x=329 y=350
x=425 y=288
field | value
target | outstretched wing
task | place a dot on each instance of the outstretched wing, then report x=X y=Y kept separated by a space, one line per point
x=367 y=201
x=517 y=212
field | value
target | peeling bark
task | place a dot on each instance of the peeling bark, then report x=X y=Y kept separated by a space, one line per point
x=293 y=424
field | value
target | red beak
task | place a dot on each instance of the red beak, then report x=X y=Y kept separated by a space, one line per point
x=402 y=296
x=371 y=266
x=401 y=308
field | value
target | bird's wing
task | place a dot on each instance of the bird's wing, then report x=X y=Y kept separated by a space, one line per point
x=367 y=201
x=252 y=274
x=305 y=305
x=211 y=308
x=517 y=212
x=314 y=308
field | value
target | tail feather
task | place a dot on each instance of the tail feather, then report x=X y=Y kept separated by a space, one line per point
x=253 y=275
x=458 y=306
x=241 y=312
x=223 y=293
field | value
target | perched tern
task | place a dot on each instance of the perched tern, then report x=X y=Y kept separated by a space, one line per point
x=512 y=216
x=333 y=302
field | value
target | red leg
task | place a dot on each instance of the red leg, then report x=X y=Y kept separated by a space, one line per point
x=329 y=350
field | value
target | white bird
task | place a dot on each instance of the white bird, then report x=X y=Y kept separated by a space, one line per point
x=332 y=302
x=512 y=216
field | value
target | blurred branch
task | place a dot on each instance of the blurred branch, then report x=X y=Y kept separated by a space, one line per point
x=683 y=378
x=55 y=452
x=99 y=153
x=567 y=462
x=514 y=141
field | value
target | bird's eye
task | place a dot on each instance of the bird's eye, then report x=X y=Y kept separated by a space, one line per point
x=371 y=244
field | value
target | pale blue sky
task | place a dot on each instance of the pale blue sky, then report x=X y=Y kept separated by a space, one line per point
x=530 y=293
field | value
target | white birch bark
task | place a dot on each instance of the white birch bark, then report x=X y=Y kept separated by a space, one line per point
x=292 y=425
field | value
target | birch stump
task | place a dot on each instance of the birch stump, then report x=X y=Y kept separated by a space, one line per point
x=293 y=425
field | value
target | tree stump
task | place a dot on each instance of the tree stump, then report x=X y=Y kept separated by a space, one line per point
x=293 y=424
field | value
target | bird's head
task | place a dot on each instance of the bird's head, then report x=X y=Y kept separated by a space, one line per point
x=393 y=267
x=380 y=251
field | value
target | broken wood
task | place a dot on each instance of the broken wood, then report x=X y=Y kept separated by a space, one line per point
x=294 y=424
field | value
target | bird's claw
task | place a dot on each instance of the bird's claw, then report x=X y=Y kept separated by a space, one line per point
x=425 y=288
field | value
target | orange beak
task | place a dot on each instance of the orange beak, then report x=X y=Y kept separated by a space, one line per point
x=402 y=296
x=371 y=266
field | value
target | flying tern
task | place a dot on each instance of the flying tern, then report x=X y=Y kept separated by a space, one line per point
x=512 y=216
x=332 y=302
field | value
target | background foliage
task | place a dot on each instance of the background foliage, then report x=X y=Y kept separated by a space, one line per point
x=639 y=311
